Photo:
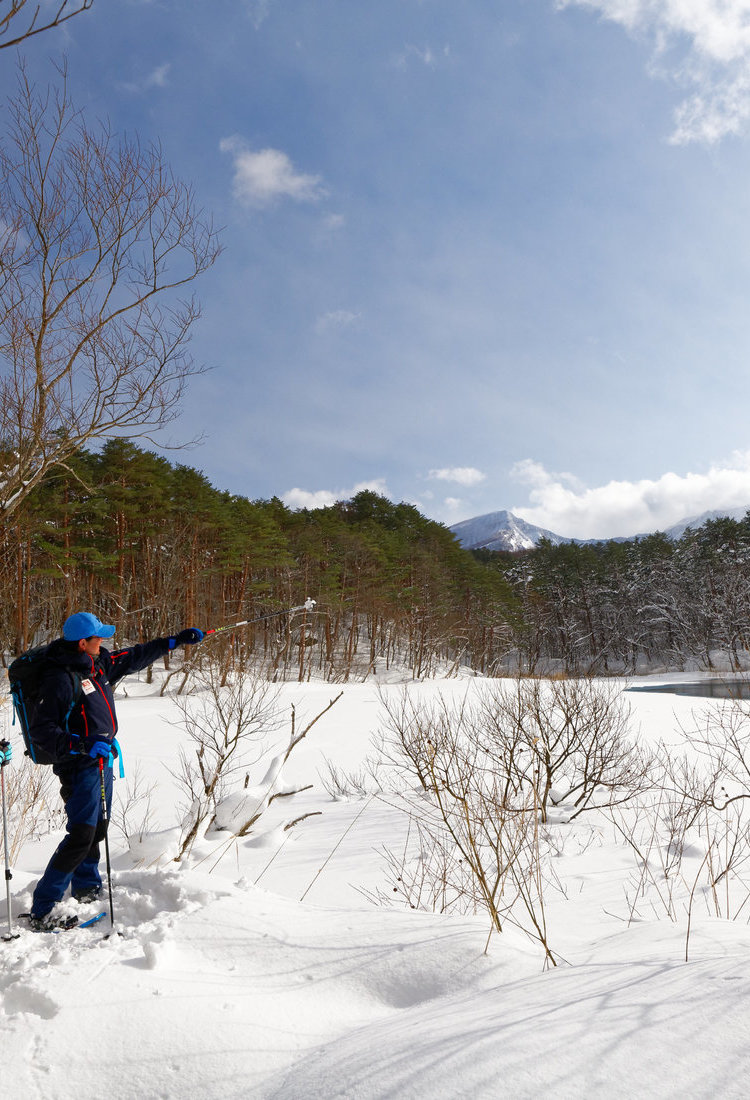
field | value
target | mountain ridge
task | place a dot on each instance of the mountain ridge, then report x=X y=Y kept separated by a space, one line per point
x=503 y=530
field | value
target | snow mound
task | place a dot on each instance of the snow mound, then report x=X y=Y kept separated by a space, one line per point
x=560 y=1034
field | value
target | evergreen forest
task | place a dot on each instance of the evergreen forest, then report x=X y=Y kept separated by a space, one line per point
x=152 y=546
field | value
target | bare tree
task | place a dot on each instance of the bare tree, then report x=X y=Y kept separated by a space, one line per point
x=21 y=19
x=98 y=240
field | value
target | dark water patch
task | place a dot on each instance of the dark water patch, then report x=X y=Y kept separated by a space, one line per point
x=704 y=689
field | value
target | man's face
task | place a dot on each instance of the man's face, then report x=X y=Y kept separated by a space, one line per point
x=90 y=645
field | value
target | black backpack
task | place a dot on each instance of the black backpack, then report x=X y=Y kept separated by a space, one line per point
x=25 y=675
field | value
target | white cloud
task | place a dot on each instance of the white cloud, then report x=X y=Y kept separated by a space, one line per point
x=262 y=177
x=258 y=11
x=13 y=239
x=324 y=498
x=157 y=78
x=428 y=56
x=337 y=318
x=462 y=475
x=561 y=504
x=533 y=474
x=334 y=222
x=710 y=44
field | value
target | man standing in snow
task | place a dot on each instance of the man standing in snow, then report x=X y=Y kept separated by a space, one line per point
x=85 y=720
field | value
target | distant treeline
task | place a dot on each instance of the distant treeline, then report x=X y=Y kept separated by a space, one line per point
x=629 y=606
x=152 y=546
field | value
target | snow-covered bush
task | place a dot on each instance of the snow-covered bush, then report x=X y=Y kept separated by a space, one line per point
x=567 y=741
x=489 y=770
x=232 y=719
x=31 y=801
x=228 y=719
x=553 y=744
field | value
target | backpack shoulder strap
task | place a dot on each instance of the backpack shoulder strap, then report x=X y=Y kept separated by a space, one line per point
x=76 y=681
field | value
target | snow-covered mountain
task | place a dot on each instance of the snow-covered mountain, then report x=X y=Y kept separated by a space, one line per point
x=506 y=531
x=678 y=529
x=501 y=531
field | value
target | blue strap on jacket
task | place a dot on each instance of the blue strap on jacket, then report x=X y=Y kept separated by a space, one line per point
x=118 y=753
x=107 y=750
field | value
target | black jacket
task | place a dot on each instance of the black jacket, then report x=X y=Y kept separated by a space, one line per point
x=61 y=730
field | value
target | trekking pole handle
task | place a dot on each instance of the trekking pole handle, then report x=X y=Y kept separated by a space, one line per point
x=4 y=746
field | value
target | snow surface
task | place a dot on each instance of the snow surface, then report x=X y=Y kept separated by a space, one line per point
x=224 y=983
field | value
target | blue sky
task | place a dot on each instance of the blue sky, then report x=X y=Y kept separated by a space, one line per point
x=477 y=256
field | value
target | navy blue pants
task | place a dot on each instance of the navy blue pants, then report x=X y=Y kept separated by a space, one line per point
x=76 y=860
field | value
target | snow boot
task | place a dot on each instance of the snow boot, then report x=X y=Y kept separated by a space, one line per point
x=85 y=896
x=48 y=923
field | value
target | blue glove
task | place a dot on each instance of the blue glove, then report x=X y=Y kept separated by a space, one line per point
x=187 y=637
x=100 y=748
x=6 y=752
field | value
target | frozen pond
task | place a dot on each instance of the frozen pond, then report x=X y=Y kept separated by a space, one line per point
x=717 y=688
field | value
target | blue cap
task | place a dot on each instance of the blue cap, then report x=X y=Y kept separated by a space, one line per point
x=85 y=625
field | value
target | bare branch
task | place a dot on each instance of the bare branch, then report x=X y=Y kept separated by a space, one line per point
x=16 y=17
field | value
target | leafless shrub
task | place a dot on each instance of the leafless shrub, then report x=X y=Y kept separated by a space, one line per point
x=227 y=724
x=428 y=873
x=483 y=846
x=568 y=740
x=341 y=785
x=497 y=841
x=230 y=718
x=657 y=878
x=251 y=808
x=721 y=741
x=132 y=812
x=491 y=767
x=403 y=742
x=715 y=799
x=685 y=788
x=32 y=805
x=692 y=841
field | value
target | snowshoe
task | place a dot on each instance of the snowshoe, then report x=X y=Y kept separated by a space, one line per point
x=48 y=923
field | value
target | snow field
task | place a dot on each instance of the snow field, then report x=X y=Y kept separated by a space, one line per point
x=225 y=983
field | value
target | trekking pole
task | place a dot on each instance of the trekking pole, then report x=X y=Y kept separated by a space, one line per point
x=308 y=605
x=105 y=818
x=10 y=934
